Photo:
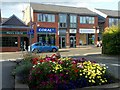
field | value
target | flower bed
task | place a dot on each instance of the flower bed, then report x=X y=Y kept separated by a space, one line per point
x=66 y=73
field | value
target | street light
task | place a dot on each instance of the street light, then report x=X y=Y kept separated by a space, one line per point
x=30 y=28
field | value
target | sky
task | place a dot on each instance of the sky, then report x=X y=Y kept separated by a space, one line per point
x=16 y=8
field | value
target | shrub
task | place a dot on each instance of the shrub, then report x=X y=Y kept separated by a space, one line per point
x=22 y=71
x=111 y=41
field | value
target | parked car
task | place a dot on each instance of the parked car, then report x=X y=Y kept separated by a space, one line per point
x=41 y=47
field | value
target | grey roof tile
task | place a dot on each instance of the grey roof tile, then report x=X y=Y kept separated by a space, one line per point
x=13 y=21
x=61 y=9
x=112 y=13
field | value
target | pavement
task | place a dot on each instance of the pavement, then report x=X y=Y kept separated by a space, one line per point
x=7 y=80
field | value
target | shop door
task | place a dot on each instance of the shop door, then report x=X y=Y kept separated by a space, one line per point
x=62 y=42
x=72 y=41
x=91 y=39
x=24 y=43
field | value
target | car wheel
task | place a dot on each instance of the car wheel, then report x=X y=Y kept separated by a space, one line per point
x=36 y=51
x=54 y=50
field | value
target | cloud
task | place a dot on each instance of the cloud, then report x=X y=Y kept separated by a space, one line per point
x=13 y=7
x=61 y=1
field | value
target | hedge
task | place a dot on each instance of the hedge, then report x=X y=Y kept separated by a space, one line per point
x=111 y=41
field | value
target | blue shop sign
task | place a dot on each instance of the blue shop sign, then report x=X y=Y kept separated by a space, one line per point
x=46 y=30
x=30 y=32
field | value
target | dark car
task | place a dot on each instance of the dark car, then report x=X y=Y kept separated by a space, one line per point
x=41 y=47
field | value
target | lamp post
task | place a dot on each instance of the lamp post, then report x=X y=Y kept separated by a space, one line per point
x=30 y=27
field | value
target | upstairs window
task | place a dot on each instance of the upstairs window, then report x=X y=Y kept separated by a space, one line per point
x=46 y=17
x=62 y=20
x=113 y=21
x=73 y=21
x=87 y=20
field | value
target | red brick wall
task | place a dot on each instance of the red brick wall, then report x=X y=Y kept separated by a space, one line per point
x=106 y=23
x=91 y=26
x=9 y=49
x=47 y=25
x=55 y=25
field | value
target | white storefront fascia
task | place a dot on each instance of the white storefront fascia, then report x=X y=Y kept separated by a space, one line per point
x=73 y=30
x=86 y=30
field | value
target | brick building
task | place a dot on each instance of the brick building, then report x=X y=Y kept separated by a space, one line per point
x=13 y=34
x=61 y=25
x=108 y=18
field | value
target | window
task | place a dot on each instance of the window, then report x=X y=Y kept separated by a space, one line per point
x=87 y=20
x=113 y=21
x=9 y=41
x=63 y=20
x=73 y=21
x=46 y=17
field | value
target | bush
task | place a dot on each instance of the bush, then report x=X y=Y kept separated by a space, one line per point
x=111 y=41
x=22 y=71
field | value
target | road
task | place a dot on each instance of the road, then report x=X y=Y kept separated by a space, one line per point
x=64 y=52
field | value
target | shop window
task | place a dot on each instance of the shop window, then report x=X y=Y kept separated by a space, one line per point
x=48 y=39
x=9 y=41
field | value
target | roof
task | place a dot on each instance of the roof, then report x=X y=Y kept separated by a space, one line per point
x=61 y=9
x=112 y=13
x=13 y=21
x=3 y=19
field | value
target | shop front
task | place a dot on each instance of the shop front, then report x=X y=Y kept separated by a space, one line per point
x=46 y=35
x=73 y=37
x=14 y=40
x=62 y=38
x=87 y=36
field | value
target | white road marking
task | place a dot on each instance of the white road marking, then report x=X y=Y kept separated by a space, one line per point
x=92 y=53
x=3 y=60
x=117 y=65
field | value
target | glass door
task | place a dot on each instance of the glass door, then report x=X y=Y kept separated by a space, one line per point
x=72 y=41
x=62 y=42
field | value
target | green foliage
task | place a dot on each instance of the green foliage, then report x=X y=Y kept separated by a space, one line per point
x=111 y=41
x=22 y=71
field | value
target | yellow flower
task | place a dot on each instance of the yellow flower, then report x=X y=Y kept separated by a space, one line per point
x=93 y=81
x=84 y=73
x=88 y=73
x=103 y=71
x=103 y=81
x=81 y=74
x=90 y=77
x=98 y=76
x=104 y=67
x=89 y=80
